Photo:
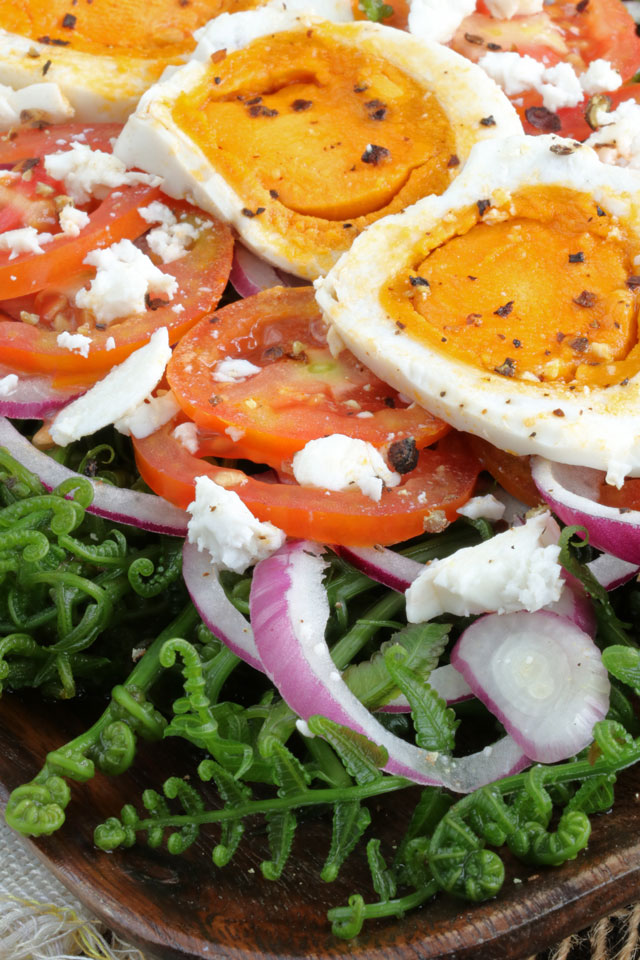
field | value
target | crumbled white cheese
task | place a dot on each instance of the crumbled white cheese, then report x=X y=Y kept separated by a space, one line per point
x=171 y=239
x=148 y=416
x=600 y=77
x=506 y=9
x=86 y=172
x=72 y=220
x=23 y=240
x=157 y=212
x=338 y=462
x=123 y=388
x=234 y=370
x=222 y=524
x=236 y=433
x=125 y=276
x=75 y=342
x=436 y=20
x=46 y=98
x=110 y=344
x=617 y=141
x=488 y=507
x=515 y=570
x=187 y=435
x=8 y=384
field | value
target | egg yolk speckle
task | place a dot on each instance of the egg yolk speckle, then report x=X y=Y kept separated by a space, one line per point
x=303 y=124
x=544 y=289
x=139 y=28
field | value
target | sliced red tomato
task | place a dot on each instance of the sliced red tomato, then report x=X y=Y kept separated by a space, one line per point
x=512 y=472
x=568 y=121
x=427 y=499
x=201 y=274
x=626 y=498
x=300 y=391
x=573 y=32
x=36 y=141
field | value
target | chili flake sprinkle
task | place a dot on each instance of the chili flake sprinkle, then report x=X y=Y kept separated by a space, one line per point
x=374 y=154
x=418 y=281
x=585 y=299
x=504 y=310
x=454 y=160
x=579 y=344
x=576 y=257
x=543 y=119
x=483 y=206
x=299 y=105
x=69 y=21
x=488 y=121
x=508 y=368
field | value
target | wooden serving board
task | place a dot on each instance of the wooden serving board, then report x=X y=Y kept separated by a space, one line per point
x=183 y=907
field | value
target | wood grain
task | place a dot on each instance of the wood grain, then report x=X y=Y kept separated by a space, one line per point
x=183 y=907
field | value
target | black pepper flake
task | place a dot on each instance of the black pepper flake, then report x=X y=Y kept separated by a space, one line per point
x=474 y=38
x=53 y=41
x=252 y=213
x=299 y=105
x=633 y=282
x=501 y=336
x=585 y=299
x=582 y=6
x=579 y=344
x=418 y=281
x=347 y=226
x=390 y=402
x=504 y=310
x=561 y=149
x=184 y=3
x=217 y=80
x=258 y=110
x=274 y=194
x=45 y=69
x=543 y=119
x=558 y=412
x=560 y=336
x=69 y=21
x=454 y=160
x=403 y=455
x=443 y=339
x=360 y=87
x=624 y=382
x=576 y=257
x=273 y=353
x=471 y=277
x=215 y=400
x=483 y=206
x=254 y=100
x=488 y=121
x=494 y=46
x=474 y=320
x=600 y=211
x=400 y=325
x=154 y=303
x=517 y=343
x=374 y=154
x=506 y=369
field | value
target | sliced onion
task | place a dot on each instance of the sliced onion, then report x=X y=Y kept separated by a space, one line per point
x=249 y=274
x=213 y=605
x=385 y=566
x=144 y=510
x=34 y=397
x=611 y=571
x=540 y=675
x=575 y=605
x=572 y=493
x=289 y=612
x=446 y=681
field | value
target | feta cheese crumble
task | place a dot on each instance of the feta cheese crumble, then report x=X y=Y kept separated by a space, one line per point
x=617 y=140
x=148 y=416
x=506 y=9
x=339 y=462
x=437 y=20
x=515 y=570
x=121 y=391
x=8 y=384
x=222 y=524
x=23 y=240
x=86 y=172
x=75 y=342
x=488 y=507
x=72 y=220
x=234 y=370
x=187 y=435
x=125 y=276
x=171 y=240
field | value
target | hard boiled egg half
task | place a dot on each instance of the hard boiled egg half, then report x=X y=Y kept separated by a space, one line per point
x=302 y=132
x=508 y=306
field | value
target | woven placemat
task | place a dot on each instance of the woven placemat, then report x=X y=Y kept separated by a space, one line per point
x=41 y=920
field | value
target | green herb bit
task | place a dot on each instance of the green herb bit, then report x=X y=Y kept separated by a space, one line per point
x=376 y=10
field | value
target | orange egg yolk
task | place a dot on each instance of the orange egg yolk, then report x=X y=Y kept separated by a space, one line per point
x=320 y=127
x=547 y=291
x=138 y=28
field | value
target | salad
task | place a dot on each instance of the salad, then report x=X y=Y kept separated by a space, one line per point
x=377 y=535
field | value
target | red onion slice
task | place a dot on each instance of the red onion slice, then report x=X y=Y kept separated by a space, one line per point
x=249 y=274
x=385 y=566
x=446 y=681
x=611 y=571
x=540 y=675
x=289 y=612
x=213 y=605
x=34 y=397
x=572 y=494
x=144 y=510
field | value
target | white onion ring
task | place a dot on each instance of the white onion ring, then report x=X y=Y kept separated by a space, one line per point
x=213 y=605
x=144 y=510
x=289 y=611
x=540 y=675
x=572 y=493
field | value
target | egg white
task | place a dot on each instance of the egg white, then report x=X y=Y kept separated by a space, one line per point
x=153 y=141
x=600 y=427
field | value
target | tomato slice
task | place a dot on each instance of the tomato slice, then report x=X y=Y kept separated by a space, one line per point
x=510 y=471
x=427 y=499
x=300 y=392
x=568 y=121
x=201 y=274
x=36 y=141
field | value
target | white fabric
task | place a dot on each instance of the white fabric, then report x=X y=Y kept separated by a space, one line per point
x=40 y=919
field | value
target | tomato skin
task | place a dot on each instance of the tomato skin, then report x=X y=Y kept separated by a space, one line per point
x=426 y=500
x=510 y=471
x=570 y=121
x=207 y=265
x=301 y=391
x=36 y=142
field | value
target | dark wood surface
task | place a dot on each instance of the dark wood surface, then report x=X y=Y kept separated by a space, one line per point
x=183 y=907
